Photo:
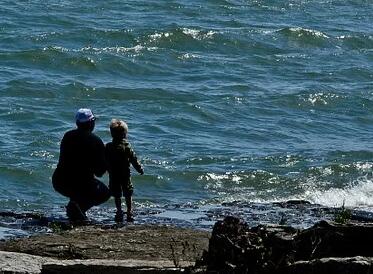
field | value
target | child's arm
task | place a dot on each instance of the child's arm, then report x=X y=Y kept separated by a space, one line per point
x=135 y=163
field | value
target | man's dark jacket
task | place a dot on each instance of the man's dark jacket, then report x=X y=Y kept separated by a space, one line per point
x=82 y=156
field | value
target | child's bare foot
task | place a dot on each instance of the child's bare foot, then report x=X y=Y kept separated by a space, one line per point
x=130 y=217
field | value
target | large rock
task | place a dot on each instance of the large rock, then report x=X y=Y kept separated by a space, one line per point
x=13 y=262
x=129 y=242
x=92 y=249
x=19 y=263
x=97 y=266
x=234 y=247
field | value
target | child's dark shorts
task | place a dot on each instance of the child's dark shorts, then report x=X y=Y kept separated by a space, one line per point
x=120 y=189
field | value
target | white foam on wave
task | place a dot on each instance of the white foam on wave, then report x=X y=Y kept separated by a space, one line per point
x=56 y=48
x=302 y=31
x=197 y=34
x=116 y=49
x=156 y=36
x=359 y=195
x=229 y=187
x=188 y=56
x=194 y=33
x=321 y=98
x=216 y=181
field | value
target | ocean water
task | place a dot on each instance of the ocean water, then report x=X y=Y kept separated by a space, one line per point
x=227 y=101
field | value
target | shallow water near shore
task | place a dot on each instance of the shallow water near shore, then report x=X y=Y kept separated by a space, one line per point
x=227 y=102
x=296 y=213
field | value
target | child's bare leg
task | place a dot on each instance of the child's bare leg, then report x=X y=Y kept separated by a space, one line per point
x=119 y=213
x=129 y=208
x=118 y=203
x=129 y=204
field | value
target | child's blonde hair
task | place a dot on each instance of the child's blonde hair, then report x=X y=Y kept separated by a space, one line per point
x=118 y=128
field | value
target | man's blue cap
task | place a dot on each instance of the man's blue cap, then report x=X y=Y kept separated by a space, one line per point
x=84 y=115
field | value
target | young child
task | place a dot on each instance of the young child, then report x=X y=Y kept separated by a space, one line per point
x=120 y=156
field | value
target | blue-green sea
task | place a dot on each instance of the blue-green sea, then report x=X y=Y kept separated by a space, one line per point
x=227 y=101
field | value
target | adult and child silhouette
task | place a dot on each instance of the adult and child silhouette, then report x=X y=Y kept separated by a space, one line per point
x=84 y=157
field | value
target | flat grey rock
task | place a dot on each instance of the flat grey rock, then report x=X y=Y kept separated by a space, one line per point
x=13 y=262
x=19 y=263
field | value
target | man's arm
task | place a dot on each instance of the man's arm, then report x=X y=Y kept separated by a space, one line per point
x=100 y=162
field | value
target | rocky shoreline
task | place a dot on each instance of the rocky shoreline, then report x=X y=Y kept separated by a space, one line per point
x=232 y=246
x=160 y=248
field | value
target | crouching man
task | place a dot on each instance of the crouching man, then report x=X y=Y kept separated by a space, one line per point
x=81 y=160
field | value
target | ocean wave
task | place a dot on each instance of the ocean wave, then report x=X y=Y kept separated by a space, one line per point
x=290 y=177
x=287 y=160
x=304 y=35
x=350 y=40
x=106 y=41
x=321 y=98
x=257 y=180
x=199 y=34
x=52 y=57
x=89 y=58
x=180 y=38
x=117 y=49
x=187 y=56
x=357 y=195
x=126 y=41
x=356 y=41
x=338 y=174
x=193 y=33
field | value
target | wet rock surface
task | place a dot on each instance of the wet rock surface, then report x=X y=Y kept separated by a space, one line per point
x=297 y=213
x=235 y=247
x=125 y=242
x=105 y=249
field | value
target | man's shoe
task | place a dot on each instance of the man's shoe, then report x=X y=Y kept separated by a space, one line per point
x=74 y=213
